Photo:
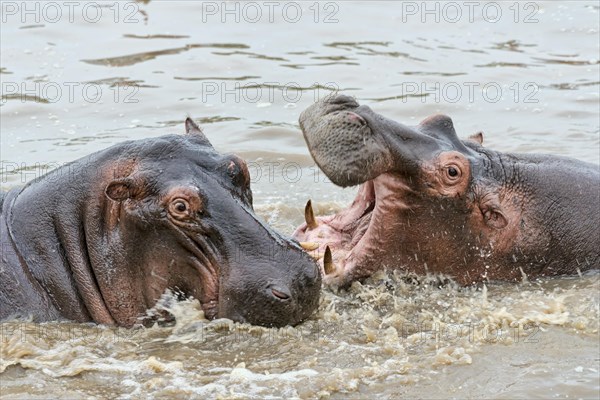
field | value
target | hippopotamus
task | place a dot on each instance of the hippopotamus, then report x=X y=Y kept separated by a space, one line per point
x=102 y=238
x=429 y=202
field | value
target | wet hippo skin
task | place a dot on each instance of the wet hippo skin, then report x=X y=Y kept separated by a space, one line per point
x=430 y=202
x=102 y=238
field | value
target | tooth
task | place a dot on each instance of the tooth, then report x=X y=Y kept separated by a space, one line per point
x=328 y=262
x=309 y=216
x=309 y=246
x=316 y=255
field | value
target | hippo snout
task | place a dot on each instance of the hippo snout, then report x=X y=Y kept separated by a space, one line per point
x=342 y=138
x=280 y=289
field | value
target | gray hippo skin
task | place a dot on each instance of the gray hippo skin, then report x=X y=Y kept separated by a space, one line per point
x=430 y=202
x=102 y=238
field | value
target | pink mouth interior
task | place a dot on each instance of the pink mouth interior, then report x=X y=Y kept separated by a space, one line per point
x=360 y=236
x=346 y=233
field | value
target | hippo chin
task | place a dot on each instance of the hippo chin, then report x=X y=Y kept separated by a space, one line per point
x=102 y=238
x=430 y=202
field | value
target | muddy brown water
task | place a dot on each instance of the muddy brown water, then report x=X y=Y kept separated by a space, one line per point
x=88 y=77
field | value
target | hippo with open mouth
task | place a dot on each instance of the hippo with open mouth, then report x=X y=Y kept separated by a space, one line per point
x=102 y=238
x=430 y=202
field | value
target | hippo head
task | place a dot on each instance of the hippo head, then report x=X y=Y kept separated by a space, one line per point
x=174 y=213
x=420 y=201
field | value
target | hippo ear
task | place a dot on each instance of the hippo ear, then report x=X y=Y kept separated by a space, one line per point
x=120 y=189
x=476 y=138
x=491 y=210
x=438 y=125
x=194 y=130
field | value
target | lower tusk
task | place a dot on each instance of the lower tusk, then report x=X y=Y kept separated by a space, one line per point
x=316 y=255
x=309 y=246
x=328 y=262
x=309 y=216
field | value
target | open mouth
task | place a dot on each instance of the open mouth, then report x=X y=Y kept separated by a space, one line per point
x=352 y=244
x=347 y=241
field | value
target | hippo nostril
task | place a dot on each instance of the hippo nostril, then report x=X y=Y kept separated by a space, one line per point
x=343 y=100
x=353 y=117
x=280 y=294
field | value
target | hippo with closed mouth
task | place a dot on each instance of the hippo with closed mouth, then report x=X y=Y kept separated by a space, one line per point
x=430 y=202
x=102 y=238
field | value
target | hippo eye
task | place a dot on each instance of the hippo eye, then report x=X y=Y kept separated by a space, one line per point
x=452 y=172
x=179 y=208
